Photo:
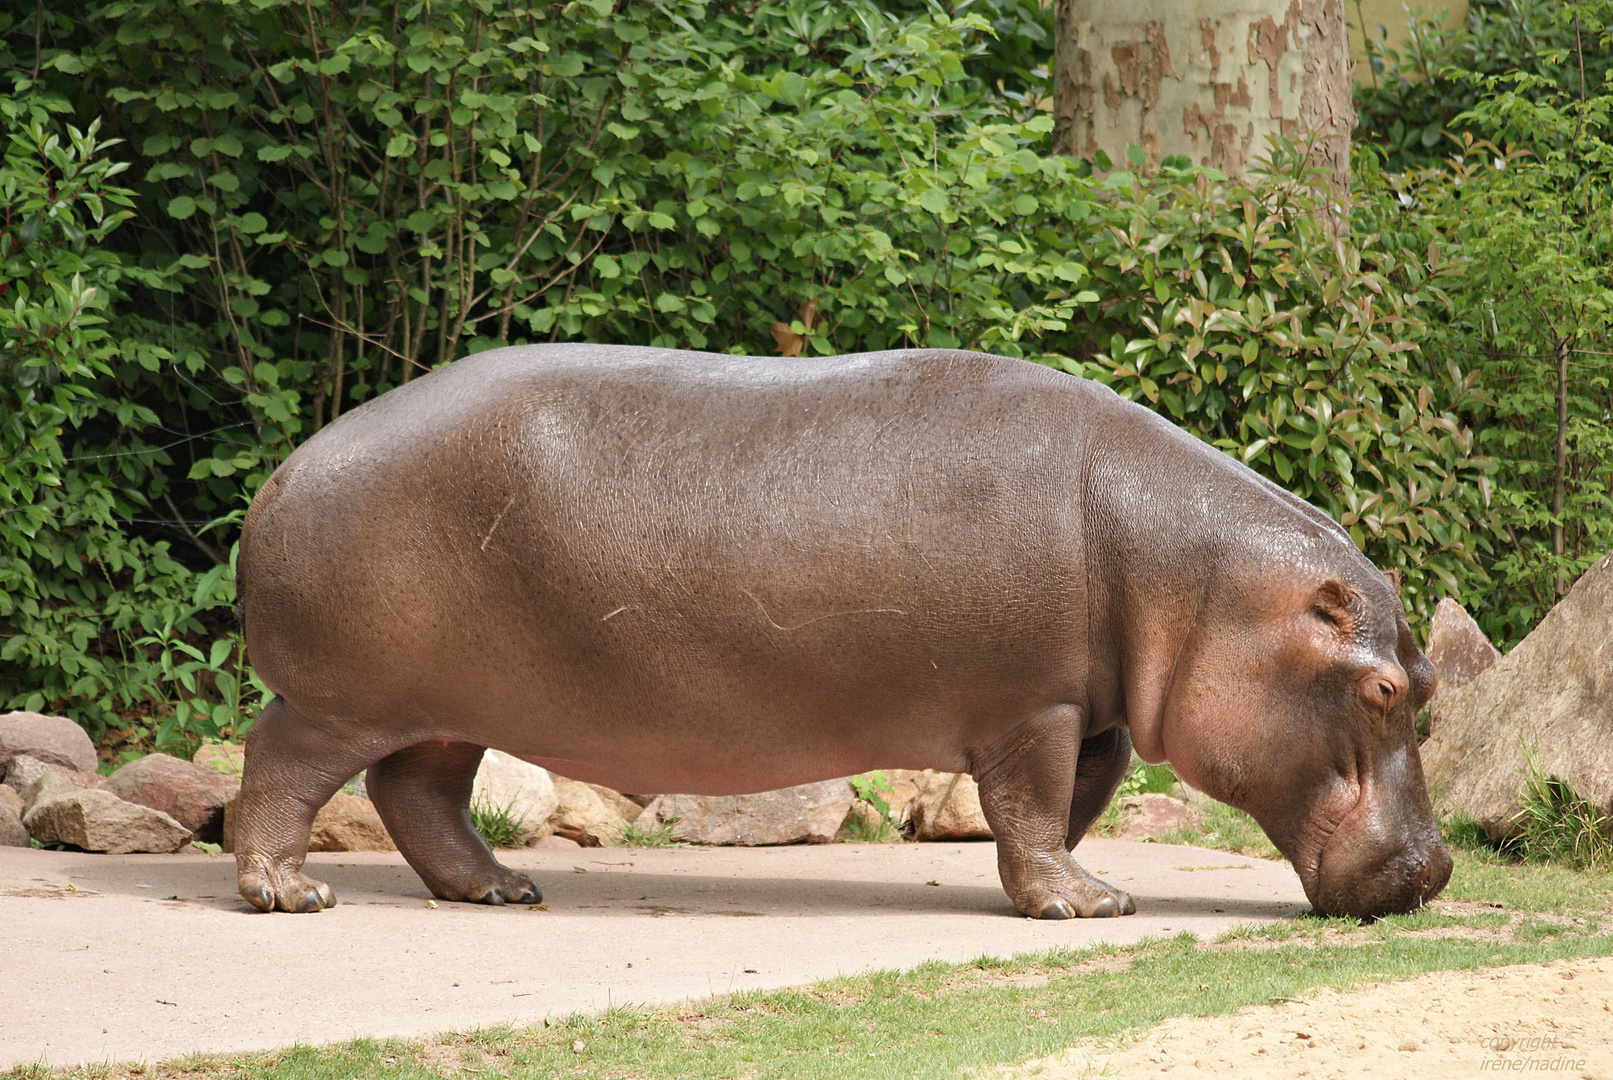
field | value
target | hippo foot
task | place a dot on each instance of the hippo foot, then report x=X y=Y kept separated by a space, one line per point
x=1109 y=904
x=507 y=887
x=1066 y=892
x=285 y=890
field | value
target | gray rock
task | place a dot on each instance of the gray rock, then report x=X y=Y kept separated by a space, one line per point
x=947 y=807
x=1457 y=648
x=525 y=790
x=346 y=823
x=52 y=781
x=100 y=821
x=13 y=833
x=349 y=823
x=191 y=794
x=54 y=740
x=590 y=815
x=25 y=769
x=1148 y=817
x=905 y=785
x=1549 y=700
x=808 y=813
x=227 y=758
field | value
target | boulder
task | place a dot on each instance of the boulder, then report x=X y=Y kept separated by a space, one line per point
x=227 y=758
x=947 y=807
x=553 y=843
x=1457 y=648
x=525 y=790
x=345 y=823
x=191 y=794
x=98 y=820
x=54 y=740
x=25 y=770
x=349 y=823
x=808 y=813
x=570 y=826
x=864 y=816
x=588 y=814
x=1549 y=701
x=13 y=833
x=1147 y=817
x=905 y=785
x=50 y=782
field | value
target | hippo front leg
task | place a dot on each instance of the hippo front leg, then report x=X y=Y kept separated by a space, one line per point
x=1028 y=790
x=423 y=795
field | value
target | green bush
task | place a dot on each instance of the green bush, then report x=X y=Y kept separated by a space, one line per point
x=326 y=200
x=91 y=612
x=1517 y=223
x=1408 y=100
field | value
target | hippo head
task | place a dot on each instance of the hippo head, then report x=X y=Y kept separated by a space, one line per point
x=1293 y=699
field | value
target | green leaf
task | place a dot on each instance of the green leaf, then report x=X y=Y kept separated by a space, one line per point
x=181 y=207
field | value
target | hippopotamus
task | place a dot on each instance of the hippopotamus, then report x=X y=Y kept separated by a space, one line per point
x=671 y=571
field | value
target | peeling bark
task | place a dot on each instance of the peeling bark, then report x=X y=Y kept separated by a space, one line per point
x=1213 y=81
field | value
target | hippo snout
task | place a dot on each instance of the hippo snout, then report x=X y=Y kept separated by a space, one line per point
x=1369 y=888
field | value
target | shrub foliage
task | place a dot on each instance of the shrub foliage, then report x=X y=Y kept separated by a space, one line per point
x=290 y=207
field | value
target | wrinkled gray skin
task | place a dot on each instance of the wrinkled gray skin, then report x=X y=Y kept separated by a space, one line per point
x=667 y=571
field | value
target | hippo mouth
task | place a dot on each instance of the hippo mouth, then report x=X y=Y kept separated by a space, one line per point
x=1312 y=844
x=1365 y=860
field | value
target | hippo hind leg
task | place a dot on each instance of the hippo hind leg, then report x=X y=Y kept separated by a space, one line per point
x=293 y=766
x=1098 y=771
x=1030 y=791
x=423 y=796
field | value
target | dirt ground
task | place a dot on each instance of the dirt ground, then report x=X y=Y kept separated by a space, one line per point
x=1554 y=1020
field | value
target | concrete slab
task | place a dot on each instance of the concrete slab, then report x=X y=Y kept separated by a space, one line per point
x=147 y=957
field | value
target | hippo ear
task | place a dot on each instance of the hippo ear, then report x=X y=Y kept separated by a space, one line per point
x=1337 y=603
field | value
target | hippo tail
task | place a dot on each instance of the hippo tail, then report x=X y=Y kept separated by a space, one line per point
x=264 y=496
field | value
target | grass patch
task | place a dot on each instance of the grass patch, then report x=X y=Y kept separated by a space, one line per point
x=945 y=1020
x=498 y=825
x=629 y=834
x=1144 y=779
x=935 y=1021
x=1559 y=825
x=1556 y=826
x=1219 y=826
x=872 y=829
x=1224 y=828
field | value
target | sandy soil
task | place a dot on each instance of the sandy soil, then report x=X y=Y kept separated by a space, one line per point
x=1553 y=1020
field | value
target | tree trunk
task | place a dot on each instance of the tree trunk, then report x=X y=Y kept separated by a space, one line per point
x=1212 y=80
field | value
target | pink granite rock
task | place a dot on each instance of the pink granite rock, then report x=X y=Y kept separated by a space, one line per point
x=191 y=794
x=1147 y=817
x=54 y=740
x=1457 y=648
